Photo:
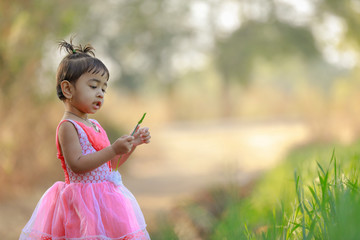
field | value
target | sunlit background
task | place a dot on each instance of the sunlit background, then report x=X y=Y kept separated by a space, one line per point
x=229 y=87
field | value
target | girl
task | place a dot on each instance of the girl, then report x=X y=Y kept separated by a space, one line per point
x=92 y=203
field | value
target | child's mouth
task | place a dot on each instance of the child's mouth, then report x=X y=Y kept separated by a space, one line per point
x=97 y=105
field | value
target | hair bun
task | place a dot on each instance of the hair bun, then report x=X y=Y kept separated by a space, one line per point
x=88 y=49
x=72 y=49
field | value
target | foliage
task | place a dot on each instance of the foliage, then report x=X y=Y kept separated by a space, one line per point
x=25 y=27
x=165 y=229
x=326 y=207
x=348 y=12
x=312 y=202
x=141 y=38
x=272 y=41
x=276 y=38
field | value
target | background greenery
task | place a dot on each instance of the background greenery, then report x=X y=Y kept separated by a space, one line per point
x=314 y=194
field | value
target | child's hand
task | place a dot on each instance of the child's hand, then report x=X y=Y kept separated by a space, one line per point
x=123 y=144
x=142 y=135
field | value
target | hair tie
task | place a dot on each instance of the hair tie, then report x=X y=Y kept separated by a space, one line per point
x=74 y=51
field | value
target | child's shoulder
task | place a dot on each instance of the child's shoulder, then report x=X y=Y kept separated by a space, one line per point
x=66 y=126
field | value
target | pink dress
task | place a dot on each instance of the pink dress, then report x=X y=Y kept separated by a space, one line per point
x=94 y=205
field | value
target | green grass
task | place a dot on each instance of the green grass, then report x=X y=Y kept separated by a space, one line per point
x=313 y=194
x=321 y=201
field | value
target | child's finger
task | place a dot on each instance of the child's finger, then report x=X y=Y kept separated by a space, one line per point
x=130 y=138
x=144 y=130
x=144 y=133
x=146 y=139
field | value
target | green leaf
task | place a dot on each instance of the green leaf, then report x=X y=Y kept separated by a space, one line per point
x=142 y=119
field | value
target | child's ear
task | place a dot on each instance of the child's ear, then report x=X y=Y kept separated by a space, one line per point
x=67 y=88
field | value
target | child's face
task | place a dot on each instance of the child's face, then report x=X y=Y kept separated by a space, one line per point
x=89 y=92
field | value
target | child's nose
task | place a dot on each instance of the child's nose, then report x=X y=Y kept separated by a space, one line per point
x=100 y=94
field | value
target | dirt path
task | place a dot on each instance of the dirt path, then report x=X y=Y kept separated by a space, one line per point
x=186 y=158
x=182 y=160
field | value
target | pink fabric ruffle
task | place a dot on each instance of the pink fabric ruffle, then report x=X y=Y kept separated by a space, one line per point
x=86 y=211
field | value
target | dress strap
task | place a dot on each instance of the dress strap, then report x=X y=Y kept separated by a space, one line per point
x=77 y=127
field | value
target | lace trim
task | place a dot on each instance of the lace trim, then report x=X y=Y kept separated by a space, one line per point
x=141 y=234
x=115 y=177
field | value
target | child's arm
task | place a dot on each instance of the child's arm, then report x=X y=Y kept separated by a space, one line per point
x=71 y=150
x=141 y=136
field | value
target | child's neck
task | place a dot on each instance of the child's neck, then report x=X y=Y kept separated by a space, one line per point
x=78 y=116
x=74 y=116
x=74 y=111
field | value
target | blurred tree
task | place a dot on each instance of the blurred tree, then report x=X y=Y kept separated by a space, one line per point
x=269 y=36
x=141 y=38
x=25 y=27
x=273 y=41
x=348 y=11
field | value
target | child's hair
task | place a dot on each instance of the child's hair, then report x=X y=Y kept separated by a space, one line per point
x=78 y=61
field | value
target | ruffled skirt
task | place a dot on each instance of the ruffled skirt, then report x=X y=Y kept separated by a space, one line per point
x=100 y=211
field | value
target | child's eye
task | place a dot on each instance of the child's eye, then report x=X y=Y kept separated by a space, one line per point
x=103 y=90
x=93 y=87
